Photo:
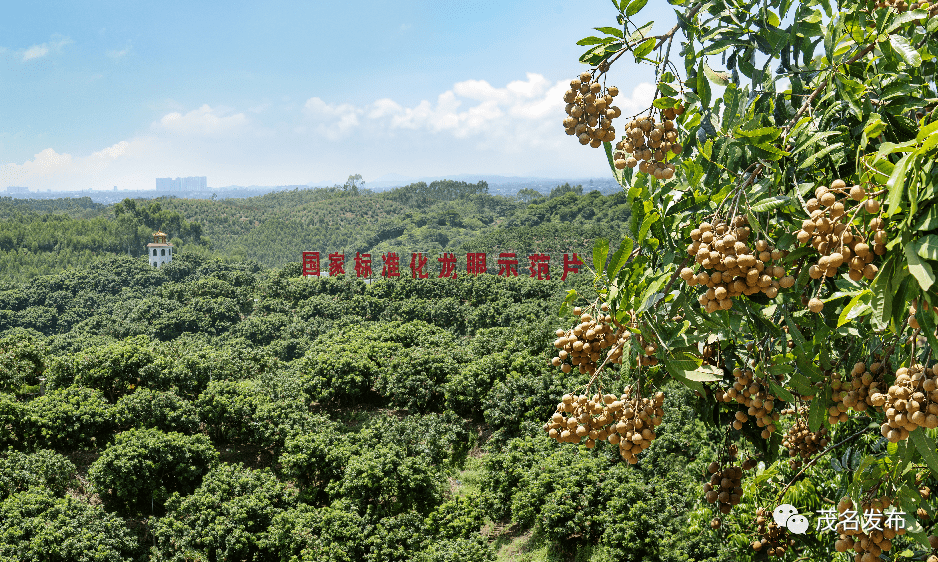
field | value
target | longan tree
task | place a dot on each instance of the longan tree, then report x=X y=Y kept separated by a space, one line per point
x=782 y=261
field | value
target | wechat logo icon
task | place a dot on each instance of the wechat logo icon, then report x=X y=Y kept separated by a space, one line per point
x=786 y=515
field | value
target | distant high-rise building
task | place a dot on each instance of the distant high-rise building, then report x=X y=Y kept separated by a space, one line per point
x=192 y=183
x=15 y=189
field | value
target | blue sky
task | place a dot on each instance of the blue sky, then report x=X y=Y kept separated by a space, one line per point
x=106 y=93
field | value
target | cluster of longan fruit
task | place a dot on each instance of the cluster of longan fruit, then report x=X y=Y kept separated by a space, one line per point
x=867 y=546
x=772 y=538
x=724 y=487
x=590 y=111
x=913 y=310
x=625 y=421
x=802 y=442
x=910 y=403
x=734 y=267
x=582 y=345
x=830 y=231
x=856 y=393
x=649 y=145
x=755 y=395
x=903 y=6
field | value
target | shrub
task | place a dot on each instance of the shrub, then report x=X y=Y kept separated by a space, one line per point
x=228 y=517
x=114 y=369
x=415 y=378
x=165 y=411
x=438 y=438
x=139 y=471
x=474 y=549
x=344 y=373
x=325 y=534
x=42 y=470
x=316 y=458
x=458 y=518
x=384 y=481
x=70 y=418
x=530 y=393
x=37 y=527
x=396 y=538
x=227 y=409
x=12 y=421
x=22 y=361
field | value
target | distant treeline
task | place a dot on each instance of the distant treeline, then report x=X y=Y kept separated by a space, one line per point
x=46 y=236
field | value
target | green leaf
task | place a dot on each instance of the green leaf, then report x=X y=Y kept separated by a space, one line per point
x=817 y=414
x=703 y=87
x=928 y=221
x=794 y=332
x=919 y=269
x=667 y=90
x=641 y=32
x=600 y=252
x=769 y=203
x=926 y=448
x=855 y=307
x=567 y=301
x=904 y=18
x=614 y=31
x=635 y=7
x=665 y=102
x=607 y=147
x=646 y=224
x=758 y=135
x=591 y=41
x=646 y=47
x=705 y=373
x=781 y=392
x=927 y=247
x=896 y=184
x=881 y=300
x=905 y=50
x=927 y=320
x=620 y=257
x=875 y=126
x=801 y=384
x=678 y=365
x=719 y=78
x=647 y=299
x=820 y=154
x=927 y=131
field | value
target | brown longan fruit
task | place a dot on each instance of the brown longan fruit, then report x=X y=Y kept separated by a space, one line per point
x=871 y=206
x=815 y=305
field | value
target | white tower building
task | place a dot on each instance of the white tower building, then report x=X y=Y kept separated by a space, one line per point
x=159 y=252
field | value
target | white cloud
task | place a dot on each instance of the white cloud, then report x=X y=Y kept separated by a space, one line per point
x=204 y=121
x=116 y=55
x=472 y=127
x=332 y=121
x=113 y=152
x=524 y=114
x=43 y=49
x=35 y=52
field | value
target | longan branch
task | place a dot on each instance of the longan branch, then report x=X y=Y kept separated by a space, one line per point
x=823 y=86
x=814 y=460
x=660 y=38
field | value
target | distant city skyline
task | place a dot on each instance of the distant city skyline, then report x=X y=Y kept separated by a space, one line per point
x=97 y=95
x=182 y=184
